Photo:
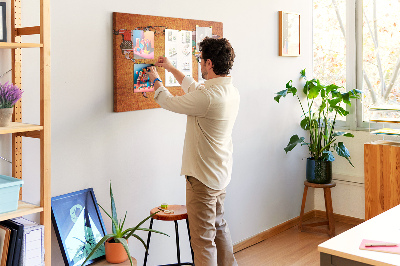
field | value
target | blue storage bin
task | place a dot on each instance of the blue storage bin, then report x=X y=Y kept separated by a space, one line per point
x=9 y=193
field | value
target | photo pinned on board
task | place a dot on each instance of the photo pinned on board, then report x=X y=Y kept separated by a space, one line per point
x=143 y=44
x=141 y=80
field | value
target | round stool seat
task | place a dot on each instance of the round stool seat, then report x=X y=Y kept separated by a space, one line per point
x=180 y=213
x=308 y=184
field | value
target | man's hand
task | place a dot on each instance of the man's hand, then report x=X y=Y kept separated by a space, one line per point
x=152 y=72
x=165 y=63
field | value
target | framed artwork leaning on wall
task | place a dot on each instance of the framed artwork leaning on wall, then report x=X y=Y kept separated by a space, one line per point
x=78 y=226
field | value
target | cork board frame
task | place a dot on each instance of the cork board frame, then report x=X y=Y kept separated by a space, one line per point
x=125 y=99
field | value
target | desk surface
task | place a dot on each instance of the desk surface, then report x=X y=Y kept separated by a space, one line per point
x=383 y=227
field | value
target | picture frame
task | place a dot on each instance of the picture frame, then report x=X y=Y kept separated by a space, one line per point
x=289 y=34
x=3 y=22
x=78 y=226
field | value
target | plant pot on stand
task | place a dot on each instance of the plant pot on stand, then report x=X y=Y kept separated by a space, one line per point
x=6 y=116
x=115 y=252
x=318 y=171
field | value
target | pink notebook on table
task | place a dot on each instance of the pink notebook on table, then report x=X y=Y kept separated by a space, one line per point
x=388 y=249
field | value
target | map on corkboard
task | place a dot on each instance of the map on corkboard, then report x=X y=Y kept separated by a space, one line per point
x=138 y=40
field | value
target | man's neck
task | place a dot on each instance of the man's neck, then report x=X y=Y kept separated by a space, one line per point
x=211 y=75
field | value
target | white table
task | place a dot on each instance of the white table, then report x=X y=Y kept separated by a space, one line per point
x=344 y=248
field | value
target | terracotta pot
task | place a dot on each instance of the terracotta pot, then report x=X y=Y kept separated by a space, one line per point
x=5 y=116
x=115 y=252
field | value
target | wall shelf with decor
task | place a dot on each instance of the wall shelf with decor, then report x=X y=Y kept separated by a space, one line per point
x=18 y=129
x=380 y=116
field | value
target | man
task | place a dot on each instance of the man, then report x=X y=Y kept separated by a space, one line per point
x=211 y=111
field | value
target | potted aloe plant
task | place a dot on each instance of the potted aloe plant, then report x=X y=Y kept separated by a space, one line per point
x=324 y=105
x=9 y=95
x=116 y=243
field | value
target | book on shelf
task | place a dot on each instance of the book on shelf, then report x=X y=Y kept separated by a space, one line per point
x=16 y=253
x=5 y=234
x=11 y=245
x=32 y=250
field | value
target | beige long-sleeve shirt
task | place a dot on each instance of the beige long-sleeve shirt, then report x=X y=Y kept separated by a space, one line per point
x=211 y=111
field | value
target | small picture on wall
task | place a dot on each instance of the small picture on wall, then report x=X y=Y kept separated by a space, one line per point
x=141 y=80
x=289 y=34
x=3 y=28
x=143 y=44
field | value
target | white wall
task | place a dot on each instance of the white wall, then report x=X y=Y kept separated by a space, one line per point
x=140 y=151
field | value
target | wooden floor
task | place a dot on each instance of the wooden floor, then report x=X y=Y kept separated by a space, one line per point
x=290 y=247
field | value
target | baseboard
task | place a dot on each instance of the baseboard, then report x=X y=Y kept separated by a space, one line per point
x=340 y=218
x=289 y=224
x=271 y=232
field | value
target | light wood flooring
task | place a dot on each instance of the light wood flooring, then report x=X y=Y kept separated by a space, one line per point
x=290 y=247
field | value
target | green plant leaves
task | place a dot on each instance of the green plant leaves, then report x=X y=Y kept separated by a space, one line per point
x=113 y=210
x=283 y=93
x=343 y=151
x=294 y=140
x=101 y=242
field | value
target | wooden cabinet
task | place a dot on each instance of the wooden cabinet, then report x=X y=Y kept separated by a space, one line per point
x=382 y=177
x=18 y=129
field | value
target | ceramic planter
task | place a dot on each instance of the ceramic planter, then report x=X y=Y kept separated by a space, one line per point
x=319 y=172
x=115 y=252
x=6 y=116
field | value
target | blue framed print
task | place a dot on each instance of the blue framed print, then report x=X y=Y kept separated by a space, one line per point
x=78 y=226
x=3 y=27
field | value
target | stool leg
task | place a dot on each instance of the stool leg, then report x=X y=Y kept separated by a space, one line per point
x=190 y=240
x=148 y=242
x=178 y=252
x=303 y=204
x=329 y=211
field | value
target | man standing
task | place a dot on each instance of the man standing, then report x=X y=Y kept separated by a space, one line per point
x=211 y=111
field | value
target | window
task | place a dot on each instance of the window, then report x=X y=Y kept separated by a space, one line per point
x=363 y=53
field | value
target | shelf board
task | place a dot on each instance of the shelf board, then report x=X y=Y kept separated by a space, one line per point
x=10 y=45
x=385 y=120
x=24 y=208
x=16 y=127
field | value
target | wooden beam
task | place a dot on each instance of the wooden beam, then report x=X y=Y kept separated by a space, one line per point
x=30 y=134
x=45 y=136
x=28 y=30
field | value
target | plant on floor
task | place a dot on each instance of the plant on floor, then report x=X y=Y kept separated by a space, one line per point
x=321 y=122
x=119 y=235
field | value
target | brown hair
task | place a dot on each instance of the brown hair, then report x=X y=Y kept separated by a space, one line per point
x=220 y=52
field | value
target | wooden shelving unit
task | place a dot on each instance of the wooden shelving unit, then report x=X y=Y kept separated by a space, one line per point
x=42 y=131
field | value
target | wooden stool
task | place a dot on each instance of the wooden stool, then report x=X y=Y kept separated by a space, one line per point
x=328 y=207
x=180 y=213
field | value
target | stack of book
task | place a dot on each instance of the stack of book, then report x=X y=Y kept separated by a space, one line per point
x=21 y=243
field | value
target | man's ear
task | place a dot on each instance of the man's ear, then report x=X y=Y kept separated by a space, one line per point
x=209 y=63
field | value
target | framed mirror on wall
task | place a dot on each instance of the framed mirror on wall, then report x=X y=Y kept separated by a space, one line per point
x=289 y=34
x=3 y=28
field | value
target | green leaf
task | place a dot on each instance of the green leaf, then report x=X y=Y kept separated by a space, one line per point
x=331 y=88
x=113 y=211
x=303 y=73
x=138 y=225
x=280 y=94
x=346 y=98
x=101 y=242
x=140 y=239
x=349 y=135
x=343 y=151
x=126 y=247
x=305 y=123
x=327 y=156
x=294 y=140
x=115 y=223
x=313 y=92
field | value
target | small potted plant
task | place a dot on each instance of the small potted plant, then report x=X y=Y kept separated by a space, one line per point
x=9 y=95
x=324 y=105
x=116 y=243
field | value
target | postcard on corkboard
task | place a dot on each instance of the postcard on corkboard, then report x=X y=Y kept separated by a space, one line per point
x=138 y=41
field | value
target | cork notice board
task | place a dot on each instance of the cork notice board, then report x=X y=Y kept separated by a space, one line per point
x=127 y=61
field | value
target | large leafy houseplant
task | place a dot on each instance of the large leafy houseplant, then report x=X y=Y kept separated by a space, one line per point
x=320 y=120
x=119 y=234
